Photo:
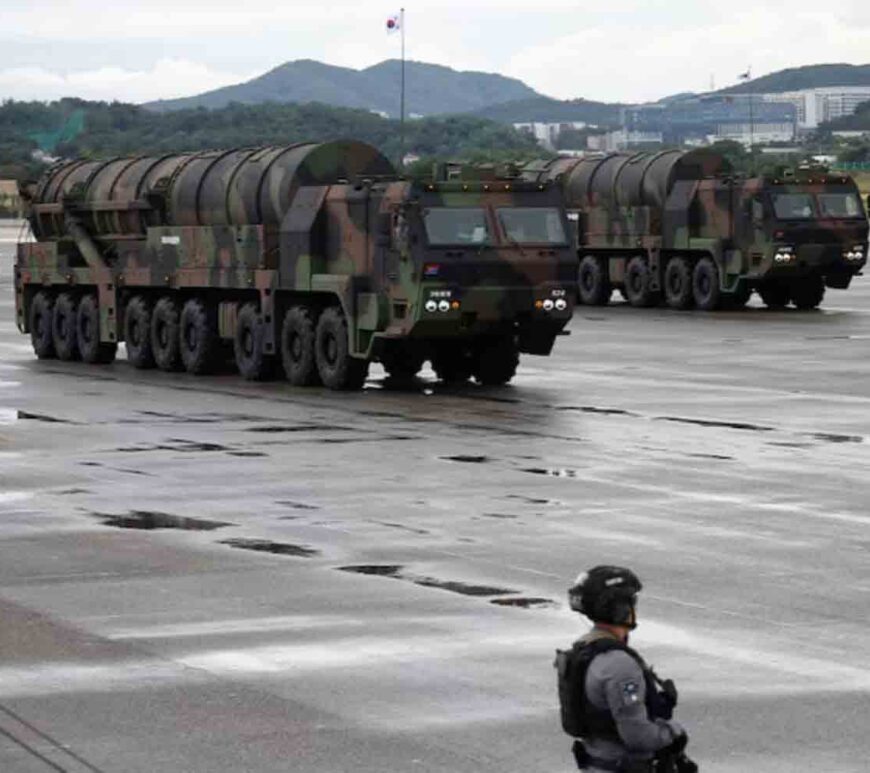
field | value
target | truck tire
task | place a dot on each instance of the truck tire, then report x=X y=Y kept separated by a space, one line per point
x=137 y=332
x=808 y=293
x=92 y=350
x=251 y=359
x=63 y=327
x=706 y=289
x=678 y=284
x=593 y=282
x=41 y=313
x=402 y=363
x=637 y=283
x=739 y=298
x=165 y=345
x=774 y=294
x=198 y=339
x=337 y=369
x=453 y=364
x=297 y=346
x=496 y=363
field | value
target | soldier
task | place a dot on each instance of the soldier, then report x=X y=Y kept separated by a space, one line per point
x=613 y=703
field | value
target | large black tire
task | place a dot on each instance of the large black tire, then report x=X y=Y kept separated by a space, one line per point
x=402 y=363
x=337 y=369
x=678 y=283
x=251 y=359
x=739 y=298
x=297 y=346
x=41 y=337
x=808 y=293
x=637 y=283
x=165 y=345
x=706 y=289
x=453 y=364
x=198 y=337
x=92 y=350
x=775 y=294
x=496 y=363
x=593 y=282
x=137 y=332
x=63 y=327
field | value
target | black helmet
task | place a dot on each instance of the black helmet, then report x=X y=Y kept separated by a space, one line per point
x=606 y=594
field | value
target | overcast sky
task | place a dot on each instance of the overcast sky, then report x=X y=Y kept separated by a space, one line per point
x=620 y=50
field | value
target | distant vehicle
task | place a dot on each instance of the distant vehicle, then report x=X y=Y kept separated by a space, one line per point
x=315 y=256
x=679 y=227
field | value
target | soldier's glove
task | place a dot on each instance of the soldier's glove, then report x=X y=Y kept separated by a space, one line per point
x=684 y=765
x=678 y=745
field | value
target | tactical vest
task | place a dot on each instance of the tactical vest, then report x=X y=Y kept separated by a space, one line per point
x=583 y=720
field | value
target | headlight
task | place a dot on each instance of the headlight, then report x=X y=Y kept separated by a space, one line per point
x=548 y=304
x=431 y=305
x=561 y=304
x=444 y=305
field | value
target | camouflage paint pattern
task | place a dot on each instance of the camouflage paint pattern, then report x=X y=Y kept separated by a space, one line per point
x=304 y=224
x=689 y=203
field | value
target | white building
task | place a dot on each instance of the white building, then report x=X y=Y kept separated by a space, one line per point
x=756 y=133
x=815 y=106
x=622 y=139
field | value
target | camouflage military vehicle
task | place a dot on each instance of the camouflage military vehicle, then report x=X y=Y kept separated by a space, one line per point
x=314 y=256
x=679 y=227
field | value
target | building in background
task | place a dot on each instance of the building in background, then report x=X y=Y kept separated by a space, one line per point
x=547 y=134
x=817 y=106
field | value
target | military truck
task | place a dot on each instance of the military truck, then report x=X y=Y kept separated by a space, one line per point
x=681 y=228
x=317 y=257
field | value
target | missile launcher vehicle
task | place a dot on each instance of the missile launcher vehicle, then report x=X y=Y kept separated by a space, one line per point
x=317 y=258
x=680 y=228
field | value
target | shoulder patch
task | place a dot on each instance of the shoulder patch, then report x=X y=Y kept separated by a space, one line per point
x=630 y=693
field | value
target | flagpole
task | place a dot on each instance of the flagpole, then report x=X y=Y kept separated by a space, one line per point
x=402 y=99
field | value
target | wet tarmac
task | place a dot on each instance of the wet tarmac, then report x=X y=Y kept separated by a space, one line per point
x=208 y=575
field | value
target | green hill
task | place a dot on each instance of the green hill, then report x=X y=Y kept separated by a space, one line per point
x=430 y=89
x=547 y=110
x=75 y=128
x=809 y=77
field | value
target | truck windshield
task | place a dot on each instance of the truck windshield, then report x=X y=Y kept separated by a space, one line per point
x=839 y=205
x=456 y=225
x=793 y=206
x=531 y=225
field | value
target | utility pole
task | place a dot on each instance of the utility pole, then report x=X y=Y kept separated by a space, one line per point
x=402 y=100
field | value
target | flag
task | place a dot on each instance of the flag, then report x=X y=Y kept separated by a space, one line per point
x=393 y=23
x=745 y=76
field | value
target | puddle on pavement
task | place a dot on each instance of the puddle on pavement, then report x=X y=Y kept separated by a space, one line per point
x=503 y=516
x=275 y=429
x=116 y=469
x=246 y=453
x=712 y=423
x=70 y=491
x=716 y=457
x=150 y=519
x=268 y=546
x=791 y=445
x=466 y=459
x=532 y=500
x=524 y=602
x=295 y=505
x=175 y=444
x=395 y=571
x=595 y=409
x=829 y=437
x=401 y=527
x=27 y=416
x=379 y=570
x=553 y=472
